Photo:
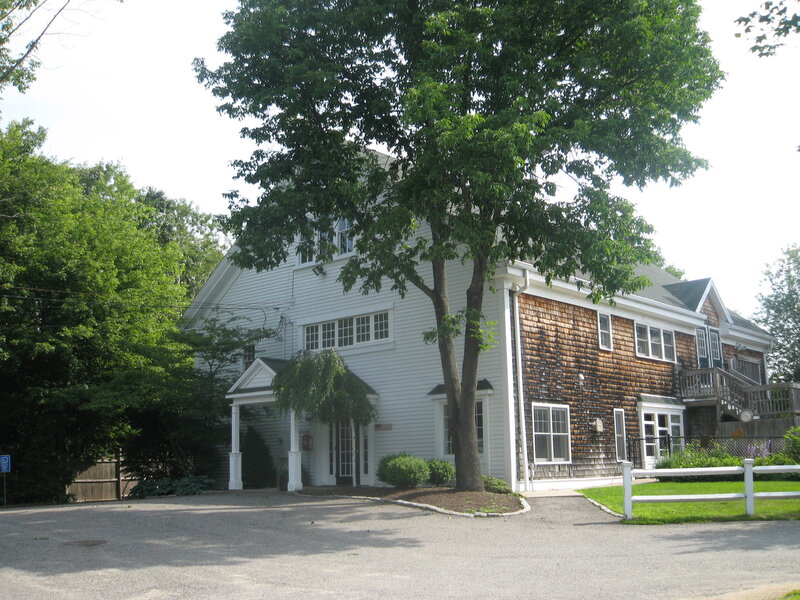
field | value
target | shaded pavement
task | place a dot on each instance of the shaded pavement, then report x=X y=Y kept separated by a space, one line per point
x=274 y=545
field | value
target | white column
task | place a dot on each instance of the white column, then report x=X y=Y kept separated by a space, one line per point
x=235 y=477
x=295 y=462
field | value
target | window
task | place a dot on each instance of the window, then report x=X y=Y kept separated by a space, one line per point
x=345 y=337
x=248 y=355
x=347 y=332
x=448 y=440
x=329 y=334
x=604 y=331
x=716 y=347
x=344 y=241
x=653 y=342
x=619 y=434
x=551 y=439
x=381 y=329
x=362 y=329
x=341 y=238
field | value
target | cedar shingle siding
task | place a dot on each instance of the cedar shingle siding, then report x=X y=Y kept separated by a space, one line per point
x=559 y=343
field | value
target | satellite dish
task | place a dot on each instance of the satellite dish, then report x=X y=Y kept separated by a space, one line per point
x=746 y=416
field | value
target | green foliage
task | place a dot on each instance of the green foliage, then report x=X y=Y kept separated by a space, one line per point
x=777 y=459
x=696 y=456
x=771 y=23
x=403 y=470
x=172 y=408
x=495 y=485
x=185 y=486
x=442 y=472
x=195 y=235
x=780 y=314
x=88 y=298
x=258 y=471
x=320 y=386
x=792 y=448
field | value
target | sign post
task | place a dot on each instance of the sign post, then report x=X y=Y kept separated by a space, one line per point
x=5 y=467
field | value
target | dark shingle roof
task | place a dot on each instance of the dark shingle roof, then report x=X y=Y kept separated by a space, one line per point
x=483 y=384
x=670 y=290
x=740 y=321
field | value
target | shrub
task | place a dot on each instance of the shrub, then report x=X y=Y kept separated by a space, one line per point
x=495 y=485
x=696 y=456
x=442 y=472
x=775 y=460
x=403 y=470
x=792 y=447
x=186 y=486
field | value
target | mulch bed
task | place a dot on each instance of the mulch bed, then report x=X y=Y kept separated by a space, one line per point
x=441 y=497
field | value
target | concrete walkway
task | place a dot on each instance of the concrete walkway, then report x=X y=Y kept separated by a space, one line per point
x=271 y=545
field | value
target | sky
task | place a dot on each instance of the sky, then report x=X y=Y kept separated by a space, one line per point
x=116 y=85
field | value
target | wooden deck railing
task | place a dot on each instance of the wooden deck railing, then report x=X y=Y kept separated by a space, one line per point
x=775 y=399
x=733 y=394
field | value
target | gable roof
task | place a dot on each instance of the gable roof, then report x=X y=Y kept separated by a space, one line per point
x=258 y=377
x=688 y=295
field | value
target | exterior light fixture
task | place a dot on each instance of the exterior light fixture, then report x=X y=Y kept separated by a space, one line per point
x=318 y=271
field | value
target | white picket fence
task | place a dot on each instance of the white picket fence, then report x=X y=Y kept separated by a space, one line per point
x=749 y=496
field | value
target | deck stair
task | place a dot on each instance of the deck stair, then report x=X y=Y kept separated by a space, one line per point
x=734 y=393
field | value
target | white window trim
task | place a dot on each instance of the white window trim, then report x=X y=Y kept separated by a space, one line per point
x=610 y=347
x=658 y=408
x=355 y=345
x=439 y=403
x=617 y=435
x=569 y=433
x=649 y=343
x=300 y=264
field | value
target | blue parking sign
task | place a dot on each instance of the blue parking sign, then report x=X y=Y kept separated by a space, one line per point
x=5 y=463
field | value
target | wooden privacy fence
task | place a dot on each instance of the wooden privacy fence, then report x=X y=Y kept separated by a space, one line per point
x=104 y=480
x=749 y=496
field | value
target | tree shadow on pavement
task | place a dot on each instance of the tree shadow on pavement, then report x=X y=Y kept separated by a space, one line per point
x=213 y=529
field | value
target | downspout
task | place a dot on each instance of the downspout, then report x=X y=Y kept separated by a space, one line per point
x=520 y=388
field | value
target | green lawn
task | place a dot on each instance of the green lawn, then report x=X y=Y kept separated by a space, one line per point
x=685 y=512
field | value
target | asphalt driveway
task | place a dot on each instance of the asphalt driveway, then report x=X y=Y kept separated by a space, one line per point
x=274 y=545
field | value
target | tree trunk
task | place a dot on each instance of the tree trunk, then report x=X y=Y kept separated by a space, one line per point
x=460 y=393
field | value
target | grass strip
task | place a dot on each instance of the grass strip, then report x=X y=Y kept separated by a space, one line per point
x=698 y=512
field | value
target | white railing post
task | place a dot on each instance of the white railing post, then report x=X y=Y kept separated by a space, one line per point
x=627 y=490
x=749 y=496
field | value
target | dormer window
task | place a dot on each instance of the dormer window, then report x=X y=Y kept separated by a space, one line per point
x=341 y=238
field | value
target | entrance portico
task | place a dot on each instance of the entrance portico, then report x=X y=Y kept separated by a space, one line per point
x=254 y=387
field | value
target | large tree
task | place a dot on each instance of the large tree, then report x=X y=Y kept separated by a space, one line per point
x=483 y=105
x=87 y=291
x=780 y=314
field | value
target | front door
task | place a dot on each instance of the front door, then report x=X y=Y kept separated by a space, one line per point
x=663 y=434
x=342 y=456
